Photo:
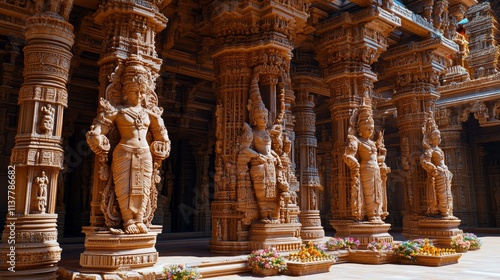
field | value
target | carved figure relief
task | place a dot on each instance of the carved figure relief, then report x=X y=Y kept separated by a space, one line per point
x=439 y=195
x=42 y=182
x=363 y=156
x=260 y=148
x=131 y=119
x=47 y=120
x=496 y=110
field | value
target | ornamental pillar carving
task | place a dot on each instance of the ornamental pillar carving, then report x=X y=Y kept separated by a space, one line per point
x=305 y=145
x=120 y=207
x=348 y=45
x=37 y=157
x=251 y=50
x=418 y=66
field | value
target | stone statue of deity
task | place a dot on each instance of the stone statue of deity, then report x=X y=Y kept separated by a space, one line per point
x=129 y=125
x=438 y=191
x=266 y=168
x=365 y=159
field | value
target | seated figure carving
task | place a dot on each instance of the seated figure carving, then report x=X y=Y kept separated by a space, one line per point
x=130 y=110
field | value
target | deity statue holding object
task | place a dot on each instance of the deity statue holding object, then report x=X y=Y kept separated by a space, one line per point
x=364 y=157
x=439 y=195
x=130 y=113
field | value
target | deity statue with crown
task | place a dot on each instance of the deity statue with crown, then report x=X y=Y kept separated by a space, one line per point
x=259 y=143
x=439 y=195
x=366 y=161
x=129 y=126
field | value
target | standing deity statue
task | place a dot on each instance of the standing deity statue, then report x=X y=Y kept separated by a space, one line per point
x=130 y=117
x=439 y=196
x=266 y=169
x=364 y=157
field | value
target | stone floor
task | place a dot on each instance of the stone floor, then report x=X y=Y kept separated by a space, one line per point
x=481 y=264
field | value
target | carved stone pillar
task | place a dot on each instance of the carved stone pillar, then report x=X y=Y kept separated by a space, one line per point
x=38 y=156
x=305 y=145
x=418 y=66
x=348 y=45
x=130 y=28
x=246 y=49
x=483 y=31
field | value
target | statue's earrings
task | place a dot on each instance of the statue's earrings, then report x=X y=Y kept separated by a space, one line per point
x=125 y=97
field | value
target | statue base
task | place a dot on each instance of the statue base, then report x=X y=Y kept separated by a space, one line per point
x=107 y=252
x=439 y=230
x=284 y=237
x=365 y=232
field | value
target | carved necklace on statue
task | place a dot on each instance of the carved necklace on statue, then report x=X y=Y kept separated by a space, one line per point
x=368 y=143
x=138 y=117
x=264 y=135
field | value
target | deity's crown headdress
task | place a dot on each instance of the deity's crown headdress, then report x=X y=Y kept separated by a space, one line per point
x=430 y=124
x=365 y=116
x=136 y=72
x=255 y=105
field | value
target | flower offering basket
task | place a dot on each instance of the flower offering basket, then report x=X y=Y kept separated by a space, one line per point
x=371 y=257
x=297 y=268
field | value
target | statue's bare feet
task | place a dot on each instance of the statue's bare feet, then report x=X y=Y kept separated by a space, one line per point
x=116 y=231
x=130 y=227
x=266 y=221
x=142 y=227
x=376 y=220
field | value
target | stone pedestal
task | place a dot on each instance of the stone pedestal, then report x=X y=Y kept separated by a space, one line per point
x=440 y=231
x=112 y=252
x=284 y=237
x=365 y=232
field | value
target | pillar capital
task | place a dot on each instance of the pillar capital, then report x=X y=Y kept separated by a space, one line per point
x=350 y=43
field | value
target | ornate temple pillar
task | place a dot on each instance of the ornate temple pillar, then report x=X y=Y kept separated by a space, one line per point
x=418 y=66
x=251 y=53
x=348 y=45
x=29 y=240
x=305 y=145
x=130 y=28
x=458 y=159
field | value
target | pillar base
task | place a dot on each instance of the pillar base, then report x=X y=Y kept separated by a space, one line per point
x=311 y=226
x=365 y=232
x=439 y=230
x=284 y=237
x=106 y=252
x=35 y=252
